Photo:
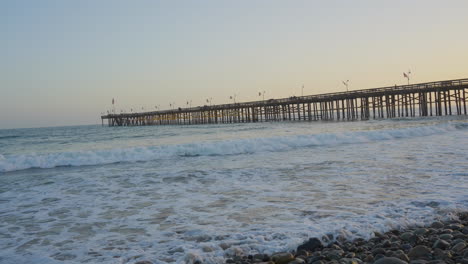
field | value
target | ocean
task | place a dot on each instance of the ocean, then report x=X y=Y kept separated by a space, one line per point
x=178 y=194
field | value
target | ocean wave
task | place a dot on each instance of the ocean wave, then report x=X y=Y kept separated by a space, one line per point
x=9 y=137
x=218 y=148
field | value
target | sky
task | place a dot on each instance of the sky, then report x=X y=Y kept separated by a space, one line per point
x=62 y=61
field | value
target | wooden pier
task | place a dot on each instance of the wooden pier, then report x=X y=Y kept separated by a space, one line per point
x=423 y=99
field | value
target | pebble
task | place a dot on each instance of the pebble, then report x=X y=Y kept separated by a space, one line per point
x=311 y=245
x=390 y=260
x=419 y=252
x=459 y=247
x=297 y=261
x=420 y=231
x=403 y=257
x=446 y=237
x=437 y=225
x=442 y=244
x=377 y=251
x=282 y=258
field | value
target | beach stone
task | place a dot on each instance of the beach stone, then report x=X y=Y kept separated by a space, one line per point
x=335 y=254
x=311 y=245
x=144 y=262
x=406 y=247
x=436 y=261
x=377 y=251
x=420 y=231
x=465 y=230
x=297 y=261
x=318 y=262
x=416 y=240
x=386 y=243
x=390 y=260
x=456 y=241
x=406 y=236
x=446 y=237
x=418 y=252
x=313 y=259
x=447 y=231
x=456 y=227
x=350 y=261
x=442 y=244
x=335 y=246
x=369 y=259
x=396 y=244
x=282 y=257
x=403 y=257
x=302 y=253
x=437 y=225
x=419 y=261
x=459 y=247
x=438 y=253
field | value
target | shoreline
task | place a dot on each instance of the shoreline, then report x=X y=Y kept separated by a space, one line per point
x=440 y=242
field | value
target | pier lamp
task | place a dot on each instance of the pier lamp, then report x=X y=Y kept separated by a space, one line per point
x=233 y=97
x=407 y=75
x=346 y=84
x=262 y=93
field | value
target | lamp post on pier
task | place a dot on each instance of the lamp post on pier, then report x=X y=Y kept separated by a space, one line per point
x=346 y=84
x=262 y=94
x=233 y=97
x=407 y=75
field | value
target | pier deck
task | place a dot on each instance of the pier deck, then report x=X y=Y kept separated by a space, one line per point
x=423 y=99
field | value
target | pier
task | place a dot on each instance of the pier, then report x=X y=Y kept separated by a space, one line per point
x=423 y=99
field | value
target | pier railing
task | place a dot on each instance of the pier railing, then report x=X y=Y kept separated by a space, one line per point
x=432 y=98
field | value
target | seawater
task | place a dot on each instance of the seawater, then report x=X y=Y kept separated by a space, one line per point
x=178 y=194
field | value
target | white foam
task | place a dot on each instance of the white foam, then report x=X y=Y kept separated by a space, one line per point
x=225 y=147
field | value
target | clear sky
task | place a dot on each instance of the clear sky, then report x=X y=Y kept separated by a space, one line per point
x=62 y=62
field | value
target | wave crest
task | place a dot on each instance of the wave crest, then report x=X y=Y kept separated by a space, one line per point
x=227 y=147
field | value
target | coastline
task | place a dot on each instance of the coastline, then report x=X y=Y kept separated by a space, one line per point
x=440 y=242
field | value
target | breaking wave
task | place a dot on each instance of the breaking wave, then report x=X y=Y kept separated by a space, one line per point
x=218 y=148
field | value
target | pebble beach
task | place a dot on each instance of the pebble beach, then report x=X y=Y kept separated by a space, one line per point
x=441 y=242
